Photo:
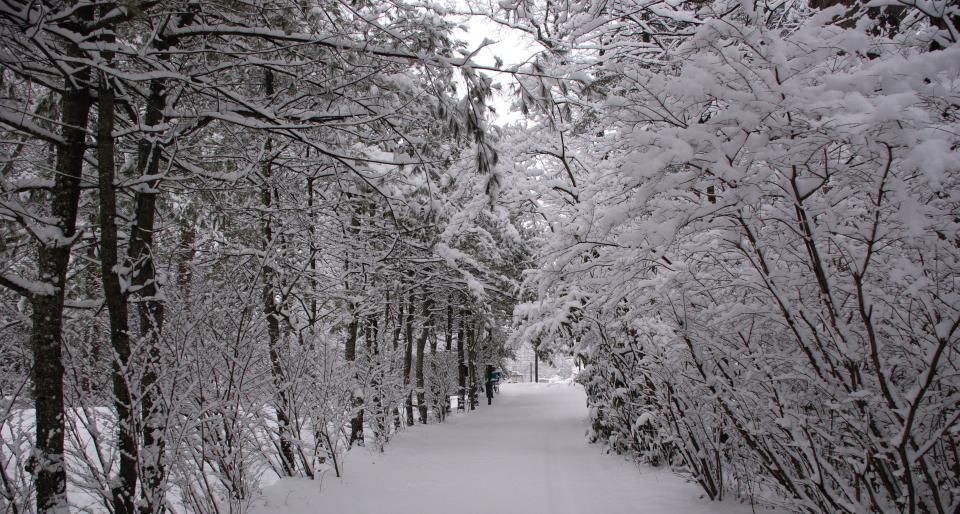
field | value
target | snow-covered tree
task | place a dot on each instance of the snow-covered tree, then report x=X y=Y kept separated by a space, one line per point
x=230 y=194
x=753 y=253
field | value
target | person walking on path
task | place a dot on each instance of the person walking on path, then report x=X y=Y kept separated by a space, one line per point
x=491 y=378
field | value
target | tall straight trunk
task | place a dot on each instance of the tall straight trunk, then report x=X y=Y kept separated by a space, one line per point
x=356 y=422
x=408 y=358
x=314 y=270
x=371 y=333
x=536 y=363
x=270 y=308
x=461 y=365
x=350 y=355
x=448 y=334
x=444 y=403
x=397 y=331
x=386 y=324
x=125 y=486
x=439 y=402
x=421 y=347
x=472 y=364
x=373 y=349
x=399 y=326
x=150 y=307
x=53 y=259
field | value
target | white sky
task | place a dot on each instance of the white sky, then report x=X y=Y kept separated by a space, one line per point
x=512 y=46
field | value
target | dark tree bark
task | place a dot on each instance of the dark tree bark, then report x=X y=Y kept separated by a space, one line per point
x=439 y=403
x=46 y=338
x=314 y=270
x=150 y=308
x=397 y=331
x=371 y=333
x=270 y=308
x=448 y=335
x=350 y=351
x=399 y=326
x=536 y=363
x=421 y=347
x=350 y=354
x=472 y=364
x=373 y=349
x=125 y=486
x=408 y=358
x=443 y=404
x=461 y=365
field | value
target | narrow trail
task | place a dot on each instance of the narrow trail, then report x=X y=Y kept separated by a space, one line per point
x=526 y=453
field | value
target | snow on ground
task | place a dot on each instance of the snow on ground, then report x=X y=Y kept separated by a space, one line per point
x=527 y=453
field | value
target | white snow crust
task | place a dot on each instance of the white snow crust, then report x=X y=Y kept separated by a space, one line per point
x=527 y=453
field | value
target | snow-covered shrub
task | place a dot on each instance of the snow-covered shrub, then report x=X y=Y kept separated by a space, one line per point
x=779 y=210
x=622 y=405
x=441 y=378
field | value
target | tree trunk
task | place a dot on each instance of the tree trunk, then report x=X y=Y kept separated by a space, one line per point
x=270 y=308
x=314 y=270
x=350 y=354
x=125 y=486
x=397 y=331
x=150 y=307
x=356 y=422
x=448 y=335
x=407 y=359
x=472 y=365
x=53 y=258
x=373 y=349
x=536 y=363
x=444 y=402
x=371 y=332
x=421 y=347
x=461 y=365
x=399 y=327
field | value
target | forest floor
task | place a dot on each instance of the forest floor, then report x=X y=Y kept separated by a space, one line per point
x=525 y=453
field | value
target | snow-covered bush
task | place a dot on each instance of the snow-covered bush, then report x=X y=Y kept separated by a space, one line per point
x=778 y=208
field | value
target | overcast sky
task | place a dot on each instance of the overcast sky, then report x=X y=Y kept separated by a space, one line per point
x=511 y=46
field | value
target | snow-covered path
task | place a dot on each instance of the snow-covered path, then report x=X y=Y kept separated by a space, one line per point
x=527 y=453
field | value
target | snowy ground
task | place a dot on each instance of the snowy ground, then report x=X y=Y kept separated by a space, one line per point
x=527 y=453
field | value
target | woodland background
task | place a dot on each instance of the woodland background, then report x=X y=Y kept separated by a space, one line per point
x=239 y=237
